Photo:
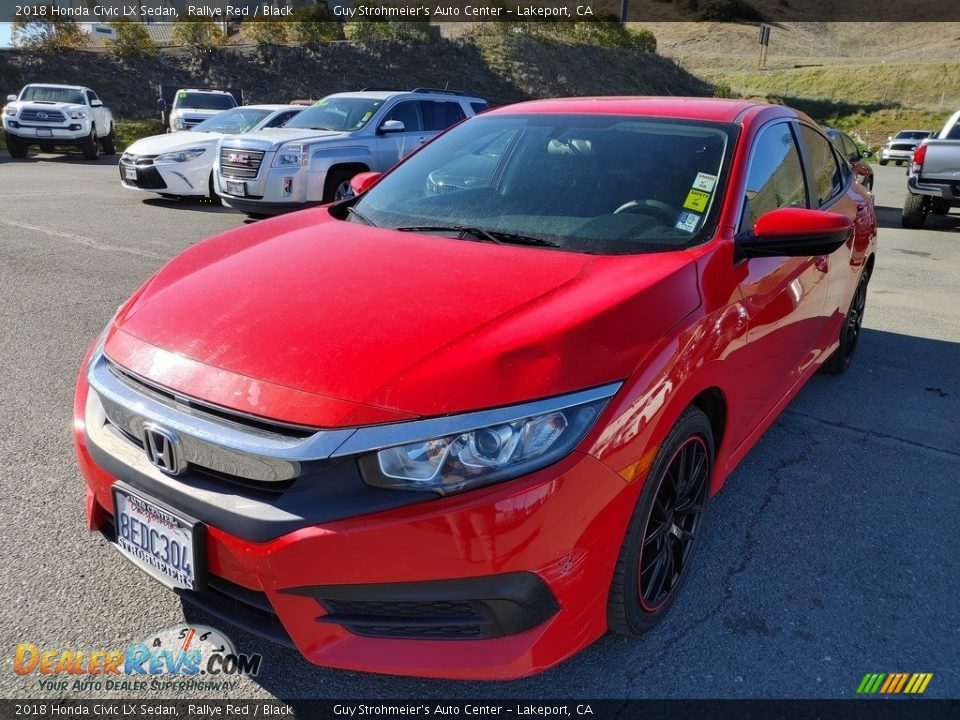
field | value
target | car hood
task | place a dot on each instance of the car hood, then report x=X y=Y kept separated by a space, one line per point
x=48 y=105
x=197 y=112
x=173 y=142
x=311 y=320
x=275 y=137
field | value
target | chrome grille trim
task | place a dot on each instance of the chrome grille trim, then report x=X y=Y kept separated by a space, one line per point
x=248 y=169
x=34 y=116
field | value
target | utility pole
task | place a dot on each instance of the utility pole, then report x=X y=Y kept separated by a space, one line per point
x=623 y=10
x=764 y=43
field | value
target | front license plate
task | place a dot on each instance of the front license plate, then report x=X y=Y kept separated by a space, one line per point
x=44 y=132
x=236 y=187
x=130 y=173
x=161 y=542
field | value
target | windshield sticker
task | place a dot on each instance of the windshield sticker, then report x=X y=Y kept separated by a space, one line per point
x=687 y=222
x=704 y=182
x=366 y=117
x=696 y=200
x=324 y=101
x=183 y=95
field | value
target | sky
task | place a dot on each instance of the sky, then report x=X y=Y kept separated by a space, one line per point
x=4 y=34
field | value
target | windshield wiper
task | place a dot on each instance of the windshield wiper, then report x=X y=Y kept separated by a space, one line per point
x=496 y=236
x=359 y=216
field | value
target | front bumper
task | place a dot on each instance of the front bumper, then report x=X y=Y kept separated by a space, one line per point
x=274 y=190
x=523 y=568
x=188 y=178
x=887 y=154
x=73 y=133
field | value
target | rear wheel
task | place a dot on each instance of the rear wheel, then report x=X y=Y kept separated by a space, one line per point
x=90 y=147
x=840 y=361
x=883 y=162
x=15 y=147
x=665 y=528
x=899 y=163
x=915 y=209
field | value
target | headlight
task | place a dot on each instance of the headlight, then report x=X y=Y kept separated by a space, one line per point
x=77 y=114
x=291 y=155
x=9 y=111
x=179 y=124
x=182 y=156
x=480 y=456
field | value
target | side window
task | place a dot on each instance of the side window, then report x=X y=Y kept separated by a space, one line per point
x=479 y=107
x=827 y=178
x=850 y=148
x=775 y=178
x=282 y=118
x=439 y=114
x=407 y=112
x=91 y=96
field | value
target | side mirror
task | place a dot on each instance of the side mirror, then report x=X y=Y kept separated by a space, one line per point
x=866 y=154
x=391 y=126
x=96 y=103
x=161 y=104
x=794 y=232
x=362 y=182
x=11 y=98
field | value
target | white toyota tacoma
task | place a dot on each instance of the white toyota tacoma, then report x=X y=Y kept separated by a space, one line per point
x=313 y=157
x=52 y=116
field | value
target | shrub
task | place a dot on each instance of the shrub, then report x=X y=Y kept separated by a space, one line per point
x=371 y=31
x=314 y=24
x=266 y=32
x=197 y=34
x=722 y=90
x=132 y=40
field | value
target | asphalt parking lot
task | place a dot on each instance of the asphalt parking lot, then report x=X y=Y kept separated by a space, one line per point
x=832 y=551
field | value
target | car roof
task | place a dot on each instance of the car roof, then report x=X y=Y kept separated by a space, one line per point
x=271 y=108
x=694 y=108
x=388 y=94
x=197 y=90
x=59 y=87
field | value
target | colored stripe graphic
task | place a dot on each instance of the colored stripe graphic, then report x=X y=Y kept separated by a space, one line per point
x=894 y=683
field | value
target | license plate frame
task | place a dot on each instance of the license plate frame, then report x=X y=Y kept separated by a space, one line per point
x=236 y=187
x=133 y=503
x=44 y=132
x=130 y=173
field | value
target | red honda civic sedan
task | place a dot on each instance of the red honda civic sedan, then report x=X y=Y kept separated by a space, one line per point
x=466 y=422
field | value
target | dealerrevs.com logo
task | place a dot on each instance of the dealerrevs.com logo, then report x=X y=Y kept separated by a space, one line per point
x=182 y=657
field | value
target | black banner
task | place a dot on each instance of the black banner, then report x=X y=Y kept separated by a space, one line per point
x=873 y=709
x=771 y=11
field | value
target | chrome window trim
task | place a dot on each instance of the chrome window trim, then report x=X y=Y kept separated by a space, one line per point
x=260 y=454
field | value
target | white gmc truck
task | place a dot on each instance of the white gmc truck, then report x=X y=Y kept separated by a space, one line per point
x=52 y=116
x=312 y=158
x=933 y=180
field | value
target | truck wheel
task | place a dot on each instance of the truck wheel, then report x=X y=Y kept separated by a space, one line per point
x=90 y=147
x=939 y=206
x=109 y=142
x=883 y=162
x=899 y=163
x=915 y=209
x=337 y=185
x=15 y=147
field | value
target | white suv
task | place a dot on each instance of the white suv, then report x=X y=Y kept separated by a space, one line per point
x=312 y=159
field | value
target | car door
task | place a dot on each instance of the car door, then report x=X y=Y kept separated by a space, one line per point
x=99 y=113
x=783 y=297
x=393 y=147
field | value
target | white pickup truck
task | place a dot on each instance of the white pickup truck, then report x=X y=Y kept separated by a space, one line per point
x=933 y=180
x=58 y=115
x=313 y=157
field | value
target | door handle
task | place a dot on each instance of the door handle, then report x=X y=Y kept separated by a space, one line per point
x=422 y=140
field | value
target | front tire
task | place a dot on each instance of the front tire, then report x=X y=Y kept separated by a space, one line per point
x=840 y=361
x=915 y=209
x=665 y=528
x=337 y=185
x=109 y=142
x=90 y=147
x=15 y=147
x=884 y=162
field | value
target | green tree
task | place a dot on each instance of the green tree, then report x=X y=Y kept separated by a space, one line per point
x=197 y=34
x=42 y=30
x=132 y=40
x=266 y=33
x=314 y=24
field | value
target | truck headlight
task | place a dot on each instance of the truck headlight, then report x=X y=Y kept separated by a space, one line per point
x=10 y=111
x=179 y=157
x=291 y=156
x=480 y=456
x=77 y=114
x=179 y=124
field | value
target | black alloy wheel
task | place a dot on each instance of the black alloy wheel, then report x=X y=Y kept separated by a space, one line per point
x=840 y=361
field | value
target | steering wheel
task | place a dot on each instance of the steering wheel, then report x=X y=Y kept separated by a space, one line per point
x=660 y=209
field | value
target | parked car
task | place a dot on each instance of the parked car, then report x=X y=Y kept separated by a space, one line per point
x=849 y=150
x=180 y=164
x=900 y=147
x=463 y=434
x=192 y=106
x=53 y=116
x=312 y=159
x=932 y=177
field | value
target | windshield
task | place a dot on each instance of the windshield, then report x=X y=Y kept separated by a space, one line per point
x=594 y=184
x=53 y=94
x=912 y=135
x=206 y=101
x=337 y=113
x=235 y=121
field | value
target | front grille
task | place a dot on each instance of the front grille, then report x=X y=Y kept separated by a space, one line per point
x=237 y=163
x=148 y=177
x=42 y=116
x=129 y=159
x=903 y=147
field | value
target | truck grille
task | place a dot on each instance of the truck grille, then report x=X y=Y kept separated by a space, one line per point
x=905 y=147
x=237 y=163
x=41 y=116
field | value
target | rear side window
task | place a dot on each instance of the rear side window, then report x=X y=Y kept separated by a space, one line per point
x=439 y=114
x=775 y=179
x=827 y=178
x=479 y=107
x=850 y=148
